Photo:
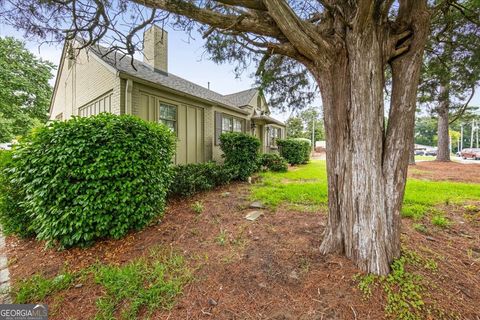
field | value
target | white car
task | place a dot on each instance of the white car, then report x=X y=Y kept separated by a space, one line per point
x=5 y=146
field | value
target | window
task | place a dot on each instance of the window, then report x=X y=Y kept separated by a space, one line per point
x=168 y=116
x=227 y=124
x=275 y=134
x=230 y=123
x=237 y=125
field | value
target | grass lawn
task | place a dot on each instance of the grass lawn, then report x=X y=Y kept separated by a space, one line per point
x=307 y=186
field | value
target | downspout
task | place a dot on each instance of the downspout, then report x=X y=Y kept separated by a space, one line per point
x=128 y=96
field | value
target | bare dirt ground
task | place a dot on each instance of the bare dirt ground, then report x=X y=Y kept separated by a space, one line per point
x=270 y=268
x=449 y=171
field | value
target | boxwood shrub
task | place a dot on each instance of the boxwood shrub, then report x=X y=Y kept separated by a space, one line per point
x=295 y=151
x=241 y=155
x=192 y=178
x=95 y=177
x=273 y=162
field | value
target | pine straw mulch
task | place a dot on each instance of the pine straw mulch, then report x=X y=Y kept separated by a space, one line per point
x=267 y=269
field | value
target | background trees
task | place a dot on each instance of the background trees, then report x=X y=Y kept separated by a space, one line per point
x=24 y=89
x=450 y=73
x=302 y=124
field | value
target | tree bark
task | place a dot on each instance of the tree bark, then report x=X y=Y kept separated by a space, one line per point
x=443 y=145
x=367 y=163
x=411 y=160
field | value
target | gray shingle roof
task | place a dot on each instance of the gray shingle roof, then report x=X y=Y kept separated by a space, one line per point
x=241 y=98
x=123 y=63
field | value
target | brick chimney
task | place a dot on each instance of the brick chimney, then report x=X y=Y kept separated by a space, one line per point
x=155 y=48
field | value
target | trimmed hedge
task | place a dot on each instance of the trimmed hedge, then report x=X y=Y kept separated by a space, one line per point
x=196 y=177
x=241 y=155
x=295 y=151
x=89 y=178
x=273 y=162
x=13 y=217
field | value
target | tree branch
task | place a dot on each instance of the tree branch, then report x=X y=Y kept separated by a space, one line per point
x=214 y=19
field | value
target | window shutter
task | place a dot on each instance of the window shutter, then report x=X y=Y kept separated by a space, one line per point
x=218 y=127
x=246 y=126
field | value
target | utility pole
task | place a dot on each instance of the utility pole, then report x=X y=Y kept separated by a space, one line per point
x=476 y=131
x=313 y=135
x=461 y=137
x=473 y=130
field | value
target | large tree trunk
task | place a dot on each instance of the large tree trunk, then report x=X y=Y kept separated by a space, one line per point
x=366 y=162
x=443 y=146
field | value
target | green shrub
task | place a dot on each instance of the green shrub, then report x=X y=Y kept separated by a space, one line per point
x=295 y=151
x=94 y=177
x=13 y=217
x=192 y=178
x=240 y=151
x=273 y=162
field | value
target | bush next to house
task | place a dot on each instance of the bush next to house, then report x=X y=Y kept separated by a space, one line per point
x=241 y=154
x=192 y=178
x=13 y=217
x=94 y=177
x=273 y=162
x=295 y=151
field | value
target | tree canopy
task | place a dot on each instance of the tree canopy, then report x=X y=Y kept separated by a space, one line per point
x=24 y=89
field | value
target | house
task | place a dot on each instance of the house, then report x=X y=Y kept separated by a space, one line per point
x=101 y=80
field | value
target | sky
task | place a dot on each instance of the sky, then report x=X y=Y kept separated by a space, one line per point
x=187 y=59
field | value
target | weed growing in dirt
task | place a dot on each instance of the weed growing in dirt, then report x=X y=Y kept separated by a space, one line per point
x=365 y=283
x=142 y=284
x=38 y=287
x=440 y=221
x=471 y=209
x=198 y=207
x=420 y=227
x=404 y=290
x=221 y=238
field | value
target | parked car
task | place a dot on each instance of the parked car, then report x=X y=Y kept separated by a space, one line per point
x=431 y=152
x=419 y=152
x=473 y=153
x=5 y=146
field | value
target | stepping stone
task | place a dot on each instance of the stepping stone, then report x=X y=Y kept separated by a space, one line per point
x=253 y=215
x=4 y=276
x=257 y=205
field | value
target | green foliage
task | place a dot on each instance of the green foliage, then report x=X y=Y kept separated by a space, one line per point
x=94 y=177
x=196 y=177
x=143 y=284
x=240 y=151
x=295 y=151
x=273 y=162
x=36 y=288
x=440 y=221
x=24 y=89
x=198 y=207
x=404 y=291
x=13 y=216
x=301 y=126
x=420 y=227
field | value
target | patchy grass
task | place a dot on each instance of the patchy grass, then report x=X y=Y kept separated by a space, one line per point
x=306 y=185
x=142 y=284
x=36 y=288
